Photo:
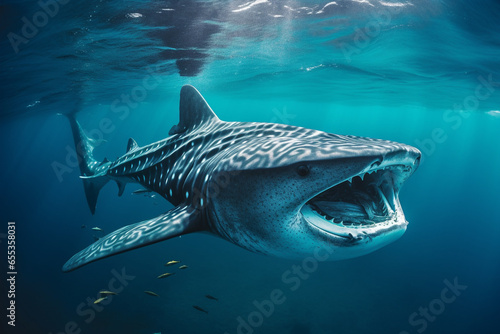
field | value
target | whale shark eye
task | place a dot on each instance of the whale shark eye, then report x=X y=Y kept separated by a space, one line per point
x=303 y=170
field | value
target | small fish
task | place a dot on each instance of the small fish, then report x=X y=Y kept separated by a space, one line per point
x=165 y=275
x=169 y=263
x=83 y=226
x=100 y=300
x=106 y=292
x=140 y=191
x=200 y=309
x=95 y=238
x=151 y=293
x=97 y=228
x=183 y=266
x=211 y=297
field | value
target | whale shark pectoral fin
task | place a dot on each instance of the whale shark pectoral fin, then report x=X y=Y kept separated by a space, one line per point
x=193 y=111
x=178 y=221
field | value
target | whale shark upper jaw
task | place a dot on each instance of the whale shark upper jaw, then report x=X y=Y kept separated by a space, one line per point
x=363 y=206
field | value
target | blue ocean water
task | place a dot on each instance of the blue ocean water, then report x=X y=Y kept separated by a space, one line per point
x=425 y=73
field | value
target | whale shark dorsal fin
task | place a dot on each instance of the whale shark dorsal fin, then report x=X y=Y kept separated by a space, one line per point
x=105 y=161
x=193 y=111
x=131 y=145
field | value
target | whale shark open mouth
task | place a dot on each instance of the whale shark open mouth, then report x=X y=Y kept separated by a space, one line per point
x=366 y=204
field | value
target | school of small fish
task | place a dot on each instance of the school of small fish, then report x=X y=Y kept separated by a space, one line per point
x=105 y=293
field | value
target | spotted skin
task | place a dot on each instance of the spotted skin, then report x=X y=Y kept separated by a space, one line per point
x=229 y=178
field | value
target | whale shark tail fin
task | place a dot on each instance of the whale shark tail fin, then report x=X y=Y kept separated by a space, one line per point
x=93 y=186
x=92 y=172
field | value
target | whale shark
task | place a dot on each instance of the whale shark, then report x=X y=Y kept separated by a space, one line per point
x=274 y=189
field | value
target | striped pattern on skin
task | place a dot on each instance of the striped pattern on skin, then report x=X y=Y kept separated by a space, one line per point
x=174 y=166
